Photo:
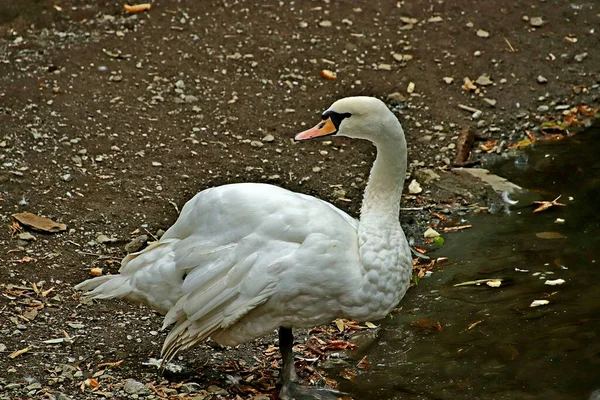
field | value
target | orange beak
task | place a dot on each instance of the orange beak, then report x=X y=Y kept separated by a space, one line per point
x=323 y=128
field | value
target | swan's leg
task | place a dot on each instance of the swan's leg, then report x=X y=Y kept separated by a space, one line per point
x=291 y=389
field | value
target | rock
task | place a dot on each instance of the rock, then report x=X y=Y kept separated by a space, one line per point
x=256 y=143
x=426 y=175
x=190 y=387
x=397 y=96
x=2 y=347
x=66 y=177
x=325 y=23
x=136 y=244
x=430 y=233
x=102 y=238
x=448 y=79
x=134 y=387
x=26 y=236
x=543 y=108
x=580 y=57
x=484 y=80
x=189 y=98
x=541 y=79
x=491 y=102
x=536 y=21
x=483 y=34
x=217 y=390
x=268 y=138
x=179 y=84
x=414 y=187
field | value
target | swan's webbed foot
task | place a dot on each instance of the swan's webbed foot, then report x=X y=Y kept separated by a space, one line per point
x=291 y=389
x=297 y=391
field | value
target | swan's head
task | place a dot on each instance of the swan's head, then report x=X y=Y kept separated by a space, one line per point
x=357 y=117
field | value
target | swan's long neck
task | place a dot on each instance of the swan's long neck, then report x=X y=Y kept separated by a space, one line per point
x=385 y=258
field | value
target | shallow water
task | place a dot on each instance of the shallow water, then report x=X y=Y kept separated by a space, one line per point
x=513 y=351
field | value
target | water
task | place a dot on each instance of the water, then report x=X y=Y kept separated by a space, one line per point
x=493 y=344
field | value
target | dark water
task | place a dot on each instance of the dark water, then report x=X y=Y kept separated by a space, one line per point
x=514 y=351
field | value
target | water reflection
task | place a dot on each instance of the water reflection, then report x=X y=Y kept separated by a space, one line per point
x=493 y=344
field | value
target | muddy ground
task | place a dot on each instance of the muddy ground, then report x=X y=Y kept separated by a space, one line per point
x=109 y=122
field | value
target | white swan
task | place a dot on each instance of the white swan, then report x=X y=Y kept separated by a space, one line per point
x=245 y=259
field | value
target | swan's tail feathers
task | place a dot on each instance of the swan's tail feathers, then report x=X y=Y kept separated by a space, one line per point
x=188 y=333
x=106 y=287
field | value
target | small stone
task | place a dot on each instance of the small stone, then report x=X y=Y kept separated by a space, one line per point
x=303 y=24
x=414 y=187
x=102 y=238
x=190 y=387
x=580 y=57
x=430 y=233
x=536 y=21
x=2 y=347
x=156 y=164
x=216 y=390
x=397 y=96
x=477 y=114
x=411 y=88
x=491 y=102
x=325 y=23
x=179 y=84
x=256 y=143
x=189 y=98
x=134 y=387
x=554 y=282
x=268 y=138
x=541 y=79
x=451 y=146
x=448 y=79
x=426 y=175
x=384 y=67
x=66 y=177
x=26 y=236
x=136 y=244
x=484 y=80
x=316 y=169
x=537 y=303
x=483 y=34
x=543 y=108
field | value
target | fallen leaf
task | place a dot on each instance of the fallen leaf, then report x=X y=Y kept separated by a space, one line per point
x=327 y=74
x=348 y=374
x=549 y=235
x=537 y=303
x=39 y=223
x=425 y=323
x=363 y=363
x=544 y=205
x=19 y=352
x=370 y=325
x=478 y=282
x=339 y=324
x=115 y=364
x=136 y=7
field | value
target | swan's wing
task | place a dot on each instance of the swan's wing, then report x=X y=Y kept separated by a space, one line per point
x=233 y=244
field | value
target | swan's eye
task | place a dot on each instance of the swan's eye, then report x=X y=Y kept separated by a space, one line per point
x=335 y=117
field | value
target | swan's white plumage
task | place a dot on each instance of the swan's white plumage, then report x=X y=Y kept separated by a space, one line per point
x=245 y=259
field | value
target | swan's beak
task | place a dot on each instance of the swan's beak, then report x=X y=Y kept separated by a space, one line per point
x=324 y=128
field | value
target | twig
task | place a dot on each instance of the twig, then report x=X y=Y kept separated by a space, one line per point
x=171 y=202
x=467 y=108
x=509 y=45
x=454 y=228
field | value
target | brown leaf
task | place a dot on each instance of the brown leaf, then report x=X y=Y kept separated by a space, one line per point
x=544 y=205
x=39 y=223
x=348 y=375
x=425 y=323
x=549 y=235
x=19 y=352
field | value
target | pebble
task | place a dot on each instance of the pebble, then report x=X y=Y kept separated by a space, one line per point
x=448 y=79
x=26 y=236
x=179 y=84
x=430 y=233
x=397 y=96
x=484 y=80
x=256 y=143
x=268 y=138
x=543 y=108
x=136 y=244
x=189 y=98
x=325 y=23
x=491 y=102
x=451 y=146
x=483 y=34
x=477 y=114
x=156 y=164
x=134 y=387
x=536 y=21
x=414 y=187
x=190 y=387
x=580 y=57
x=541 y=79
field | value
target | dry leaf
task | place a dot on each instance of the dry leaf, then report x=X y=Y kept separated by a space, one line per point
x=370 y=325
x=39 y=223
x=136 y=7
x=348 y=374
x=363 y=363
x=340 y=324
x=478 y=282
x=425 y=323
x=549 y=235
x=19 y=352
x=544 y=205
